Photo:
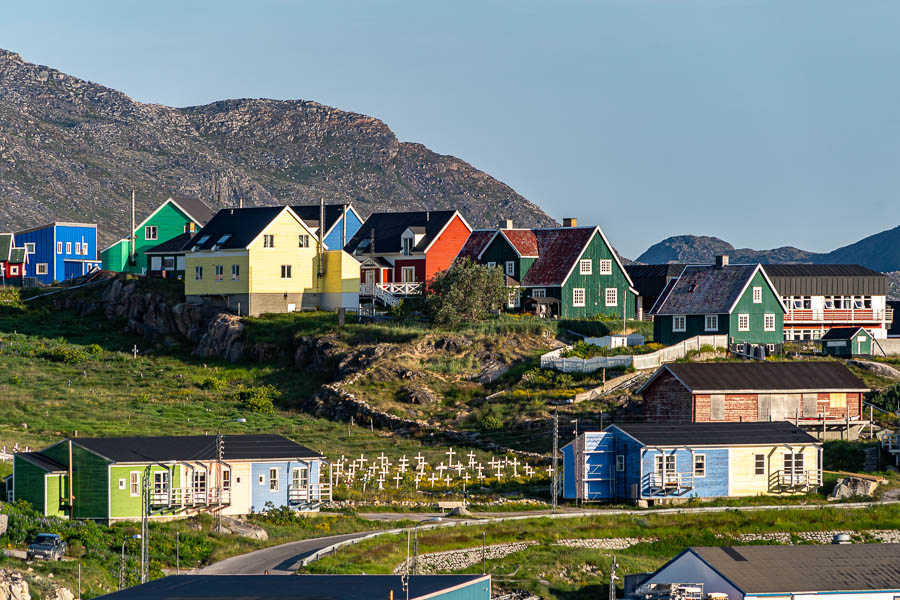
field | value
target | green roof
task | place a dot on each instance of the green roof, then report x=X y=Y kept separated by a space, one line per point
x=6 y=240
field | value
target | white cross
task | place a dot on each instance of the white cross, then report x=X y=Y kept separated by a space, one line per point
x=550 y=470
x=499 y=468
x=441 y=468
x=420 y=462
x=447 y=480
x=480 y=469
x=398 y=478
x=460 y=468
x=529 y=470
x=450 y=453
x=380 y=481
x=403 y=462
x=471 y=457
x=514 y=463
x=362 y=460
x=493 y=463
x=433 y=478
x=418 y=478
x=382 y=458
x=466 y=478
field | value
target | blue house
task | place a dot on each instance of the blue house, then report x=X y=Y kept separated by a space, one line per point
x=662 y=462
x=60 y=251
x=341 y=222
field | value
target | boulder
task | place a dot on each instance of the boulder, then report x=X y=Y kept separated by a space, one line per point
x=223 y=338
x=13 y=586
x=852 y=487
x=245 y=529
x=418 y=395
x=877 y=368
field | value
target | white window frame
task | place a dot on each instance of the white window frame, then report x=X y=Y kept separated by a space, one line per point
x=614 y=292
x=198 y=481
x=160 y=482
x=302 y=478
x=29 y=248
x=514 y=298
x=492 y=264
x=273 y=479
x=682 y=319
x=13 y=270
x=41 y=269
x=303 y=240
x=59 y=247
x=121 y=483
x=235 y=272
x=769 y=317
x=226 y=479
x=406 y=245
x=510 y=268
x=407 y=274
x=78 y=248
x=220 y=272
x=68 y=247
x=757 y=459
x=757 y=294
x=745 y=318
x=268 y=240
x=585 y=266
x=262 y=479
x=168 y=263
x=286 y=271
x=198 y=272
x=539 y=293
x=701 y=458
x=605 y=266
x=151 y=232
x=707 y=319
x=134 y=484
x=575 y=293
x=620 y=462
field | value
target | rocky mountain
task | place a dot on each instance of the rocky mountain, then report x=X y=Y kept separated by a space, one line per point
x=72 y=150
x=894 y=285
x=880 y=252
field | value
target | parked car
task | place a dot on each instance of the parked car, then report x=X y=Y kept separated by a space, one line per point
x=48 y=546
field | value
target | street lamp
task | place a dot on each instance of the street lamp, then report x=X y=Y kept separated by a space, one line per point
x=136 y=536
x=219 y=449
x=416 y=541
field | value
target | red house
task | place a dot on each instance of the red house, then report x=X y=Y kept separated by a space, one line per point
x=12 y=260
x=399 y=252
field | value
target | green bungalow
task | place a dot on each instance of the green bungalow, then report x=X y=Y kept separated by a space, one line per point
x=569 y=272
x=847 y=342
x=738 y=301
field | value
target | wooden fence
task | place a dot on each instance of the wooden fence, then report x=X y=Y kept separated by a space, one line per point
x=652 y=360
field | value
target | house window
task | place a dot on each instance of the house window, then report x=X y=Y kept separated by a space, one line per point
x=198 y=482
x=712 y=322
x=13 y=270
x=262 y=480
x=606 y=266
x=122 y=484
x=679 y=323
x=150 y=232
x=304 y=241
x=226 y=479
x=190 y=227
x=769 y=322
x=699 y=465
x=511 y=268
x=578 y=297
x=169 y=263
x=612 y=296
x=669 y=465
x=59 y=247
x=514 y=298
x=620 y=462
x=744 y=322
x=585 y=267
x=757 y=295
x=273 y=480
x=161 y=482
x=134 y=483
x=285 y=271
x=78 y=248
x=198 y=273
x=759 y=464
x=235 y=272
x=492 y=264
x=220 y=272
x=68 y=247
x=269 y=240
x=299 y=478
x=407 y=246
x=40 y=269
x=29 y=247
x=793 y=463
x=539 y=293
x=407 y=274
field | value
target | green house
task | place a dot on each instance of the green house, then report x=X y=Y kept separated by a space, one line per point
x=738 y=301
x=567 y=272
x=847 y=341
x=173 y=218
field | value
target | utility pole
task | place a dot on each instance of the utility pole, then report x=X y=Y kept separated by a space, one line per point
x=145 y=519
x=553 y=488
x=613 y=578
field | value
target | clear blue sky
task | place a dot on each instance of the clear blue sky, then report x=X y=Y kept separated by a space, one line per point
x=764 y=122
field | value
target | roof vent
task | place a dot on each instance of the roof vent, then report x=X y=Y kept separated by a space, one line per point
x=506 y=224
x=692 y=288
x=570 y=222
x=231 y=211
x=721 y=261
x=841 y=538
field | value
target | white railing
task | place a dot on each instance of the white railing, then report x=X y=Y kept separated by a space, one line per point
x=839 y=315
x=180 y=497
x=890 y=442
x=652 y=360
x=787 y=478
x=314 y=492
x=671 y=481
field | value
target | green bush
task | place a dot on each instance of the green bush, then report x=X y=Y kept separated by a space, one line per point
x=66 y=354
x=257 y=399
x=15 y=380
x=465 y=292
x=490 y=422
x=95 y=350
x=213 y=384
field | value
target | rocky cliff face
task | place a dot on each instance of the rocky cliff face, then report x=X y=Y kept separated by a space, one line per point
x=72 y=150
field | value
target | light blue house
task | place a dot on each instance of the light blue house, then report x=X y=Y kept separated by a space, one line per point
x=293 y=483
x=341 y=222
x=60 y=251
x=656 y=462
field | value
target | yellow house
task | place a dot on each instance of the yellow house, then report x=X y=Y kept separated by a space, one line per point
x=266 y=259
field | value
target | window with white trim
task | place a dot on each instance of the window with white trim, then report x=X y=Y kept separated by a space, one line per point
x=151 y=232
x=578 y=297
x=78 y=248
x=605 y=266
x=769 y=322
x=611 y=295
x=29 y=247
x=161 y=482
x=269 y=240
x=699 y=465
x=198 y=273
x=59 y=247
x=220 y=272
x=620 y=462
x=712 y=323
x=585 y=266
x=407 y=247
x=40 y=269
x=13 y=270
x=539 y=293
x=759 y=464
x=408 y=274
x=168 y=263
x=285 y=271
x=299 y=478
x=273 y=480
x=134 y=483
x=757 y=295
x=511 y=268
x=743 y=322
x=68 y=247
x=492 y=264
x=679 y=323
x=226 y=480
x=514 y=298
x=303 y=240
x=122 y=483
x=235 y=272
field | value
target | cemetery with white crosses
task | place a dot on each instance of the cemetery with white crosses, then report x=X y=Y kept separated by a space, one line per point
x=456 y=472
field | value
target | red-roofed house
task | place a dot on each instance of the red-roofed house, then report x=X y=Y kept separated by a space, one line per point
x=570 y=272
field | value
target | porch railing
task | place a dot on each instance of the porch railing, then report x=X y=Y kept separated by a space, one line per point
x=839 y=315
x=807 y=479
x=314 y=492
x=890 y=442
x=188 y=497
x=671 y=482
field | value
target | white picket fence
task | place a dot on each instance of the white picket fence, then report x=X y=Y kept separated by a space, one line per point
x=553 y=360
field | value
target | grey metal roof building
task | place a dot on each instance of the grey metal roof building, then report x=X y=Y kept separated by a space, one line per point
x=194 y=447
x=826 y=280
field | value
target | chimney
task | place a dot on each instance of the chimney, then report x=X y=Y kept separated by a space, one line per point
x=570 y=222
x=721 y=261
x=506 y=224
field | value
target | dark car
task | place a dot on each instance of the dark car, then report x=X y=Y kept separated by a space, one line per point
x=48 y=546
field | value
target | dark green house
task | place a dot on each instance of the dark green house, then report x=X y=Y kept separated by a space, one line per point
x=737 y=301
x=847 y=341
x=568 y=272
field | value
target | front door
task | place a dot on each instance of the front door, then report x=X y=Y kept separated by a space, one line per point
x=408 y=274
x=370 y=282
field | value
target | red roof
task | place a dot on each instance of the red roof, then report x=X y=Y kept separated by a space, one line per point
x=477 y=242
x=523 y=240
x=558 y=249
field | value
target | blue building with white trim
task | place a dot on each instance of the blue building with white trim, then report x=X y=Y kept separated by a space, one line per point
x=341 y=222
x=60 y=251
x=662 y=462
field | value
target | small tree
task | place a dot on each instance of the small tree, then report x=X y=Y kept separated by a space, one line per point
x=466 y=291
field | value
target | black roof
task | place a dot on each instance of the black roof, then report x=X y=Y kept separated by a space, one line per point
x=823 y=280
x=242 y=225
x=194 y=447
x=310 y=214
x=841 y=333
x=389 y=228
x=45 y=463
x=813 y=568
x=650 y=280
x=195 y=208
x=716 y=434
x=705 y=290
x=763 y=376
x=174 y=246
x=294 y=587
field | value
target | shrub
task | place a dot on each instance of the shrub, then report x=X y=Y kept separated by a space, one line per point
x=69 y=355
x=257 y=399
x=76 y=549
x=95 y=350
x=214 y=384
x=465 y=292
x=490 y=422
x=15 y=380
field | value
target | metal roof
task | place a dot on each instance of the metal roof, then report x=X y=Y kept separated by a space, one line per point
x=651 y=280
x=6 y=244
x=242 y=224
x=826 y=280
x=297 y=587
x=194 y=447
x=310 y=214
x=389 y=228
x=762 y=377
x=813 y=568
x=44 y=462
x=716 y=434
x=196 y=209
x=174 y=246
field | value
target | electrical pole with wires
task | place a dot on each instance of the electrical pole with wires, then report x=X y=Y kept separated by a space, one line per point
x=553 y=480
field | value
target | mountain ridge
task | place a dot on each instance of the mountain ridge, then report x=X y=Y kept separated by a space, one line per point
x=71 y=149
